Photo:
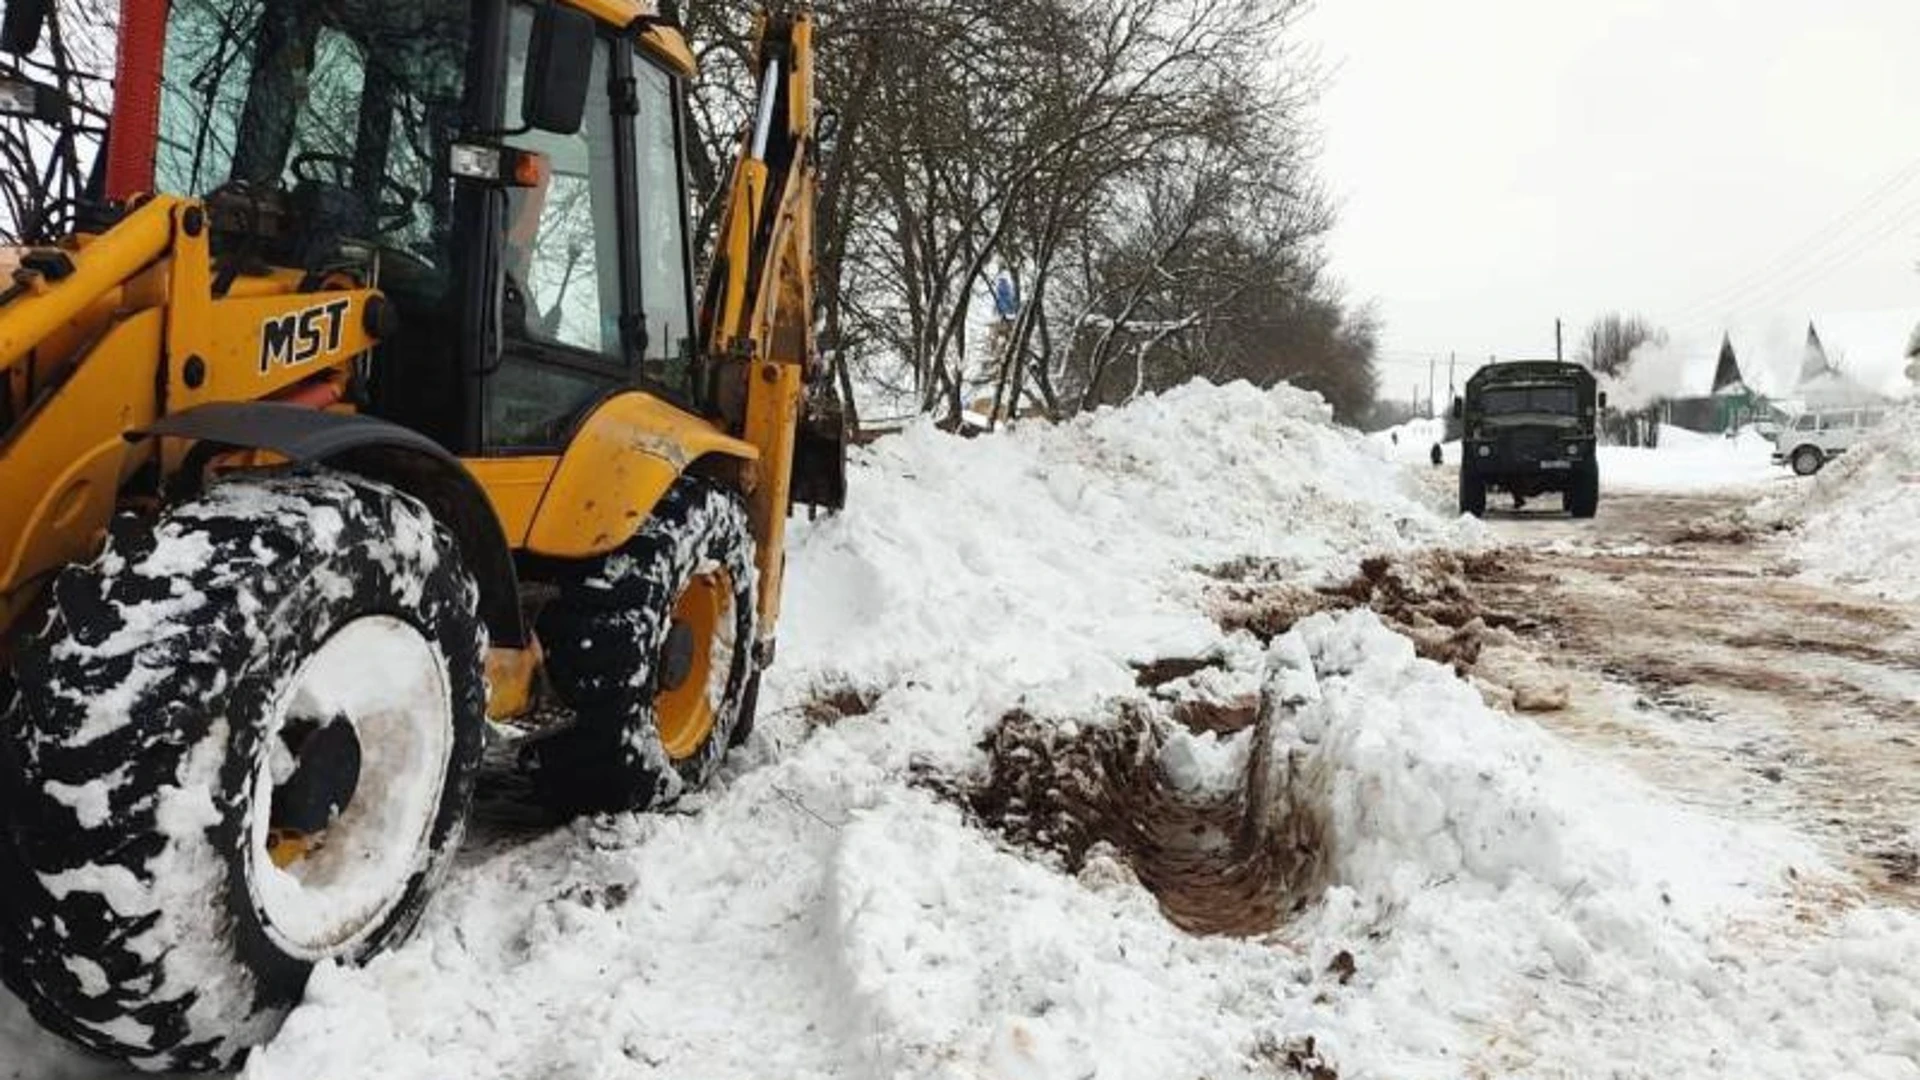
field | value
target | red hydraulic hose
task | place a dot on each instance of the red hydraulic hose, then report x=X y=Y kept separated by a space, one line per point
x=136 y=98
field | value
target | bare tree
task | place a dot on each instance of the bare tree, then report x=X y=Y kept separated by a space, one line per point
x=1608 y=345
x=1145 y=168
x=43 y=174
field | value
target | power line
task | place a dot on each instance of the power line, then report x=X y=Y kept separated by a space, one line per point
x=1799 y=252
x=1808 y=273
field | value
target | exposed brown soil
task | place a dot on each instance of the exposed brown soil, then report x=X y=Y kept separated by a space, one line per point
x=1759 y=694
x=1158 y=673
x=1430 y=598
x=832 y=703
x=1744 y=688
x=1235 y=865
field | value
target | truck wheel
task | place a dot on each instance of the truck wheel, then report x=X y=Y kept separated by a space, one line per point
x=1583 y=497
x=243 y=744
x=651 y=648
x=1473 y=493
x=1807 y=460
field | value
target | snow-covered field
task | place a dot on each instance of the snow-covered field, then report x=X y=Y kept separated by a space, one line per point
x=1687 y=461
x=1485 y=899
x=1861 y=514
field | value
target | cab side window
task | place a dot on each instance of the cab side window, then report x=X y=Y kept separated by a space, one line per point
x=563 y=235
x=665 y=287
x=562 y=294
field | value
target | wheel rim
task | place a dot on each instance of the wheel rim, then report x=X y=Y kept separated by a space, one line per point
x=320 y=894
x=686 y=711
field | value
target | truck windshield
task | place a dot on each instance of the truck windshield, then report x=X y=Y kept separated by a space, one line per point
x=359 y=95
x=1511 y=400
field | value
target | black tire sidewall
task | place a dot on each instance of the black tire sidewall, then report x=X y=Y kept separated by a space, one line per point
x=1473 y=493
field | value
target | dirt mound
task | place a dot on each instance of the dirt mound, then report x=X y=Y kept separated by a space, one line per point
x=1234 y=863
x=1429 y=598
x=829 y=703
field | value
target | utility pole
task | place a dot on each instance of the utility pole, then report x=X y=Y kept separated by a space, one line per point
x=1450 y=391
x=1431 y=362
x=1559 y=349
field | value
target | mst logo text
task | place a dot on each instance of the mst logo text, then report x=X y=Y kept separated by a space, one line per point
x=300 y=336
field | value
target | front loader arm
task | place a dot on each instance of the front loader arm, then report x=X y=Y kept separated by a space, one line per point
x=39 y=307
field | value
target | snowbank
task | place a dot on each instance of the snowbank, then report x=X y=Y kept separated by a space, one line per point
x=1861 y=513
x=1515 y=907
x=1497 y=904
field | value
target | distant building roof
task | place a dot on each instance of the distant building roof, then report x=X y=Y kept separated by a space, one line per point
x=1850 y=356
x=1727 y=380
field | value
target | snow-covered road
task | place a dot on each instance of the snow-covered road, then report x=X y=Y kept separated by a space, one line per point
x=1699 y=657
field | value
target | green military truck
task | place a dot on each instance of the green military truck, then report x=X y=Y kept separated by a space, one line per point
x=1527 y=428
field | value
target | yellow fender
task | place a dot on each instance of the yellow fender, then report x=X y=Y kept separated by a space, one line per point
x=618 y=466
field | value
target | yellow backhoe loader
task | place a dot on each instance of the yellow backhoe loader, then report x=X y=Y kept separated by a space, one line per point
x=367 y=398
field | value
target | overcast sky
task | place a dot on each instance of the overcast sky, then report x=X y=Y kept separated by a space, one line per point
x=1501 y=162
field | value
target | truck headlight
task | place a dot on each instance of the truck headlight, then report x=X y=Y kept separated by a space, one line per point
x=1573 y=449
x=1485 y=450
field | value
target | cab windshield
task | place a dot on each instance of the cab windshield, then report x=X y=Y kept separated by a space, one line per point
x=359 y=98
x=1514 y=400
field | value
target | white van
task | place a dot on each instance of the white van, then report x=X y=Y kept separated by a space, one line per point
x=1817 y=436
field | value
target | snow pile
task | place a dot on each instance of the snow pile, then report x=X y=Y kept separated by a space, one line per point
x=1862 y=512
x=1688 y=462
x=1497 y=904
x=1514 y=906
x=1053 y=555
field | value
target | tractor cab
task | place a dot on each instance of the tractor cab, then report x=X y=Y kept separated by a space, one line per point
x=506 y=174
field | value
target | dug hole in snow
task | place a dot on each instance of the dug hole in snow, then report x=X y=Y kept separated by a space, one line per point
x=1480 y=898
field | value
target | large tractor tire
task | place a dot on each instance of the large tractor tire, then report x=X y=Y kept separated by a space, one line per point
x=1583 y=497
x=1473 y=493
x=651 y=649
x=243 y=743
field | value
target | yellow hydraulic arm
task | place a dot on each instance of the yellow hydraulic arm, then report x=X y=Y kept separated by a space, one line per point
x=757 y=310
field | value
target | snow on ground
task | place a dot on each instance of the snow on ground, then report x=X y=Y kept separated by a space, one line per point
x=1412 y=441
x=1496 y=902
x=1688 y=462
x=1685 y=462
x=1861 y=513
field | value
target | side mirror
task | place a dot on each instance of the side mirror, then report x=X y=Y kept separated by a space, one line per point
x=559 y=66
x=20 y=26
x=25 y=98
x=1459 y=409
x=1603 y=399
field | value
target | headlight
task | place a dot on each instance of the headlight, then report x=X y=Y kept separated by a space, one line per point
x=1485 y=450
x=1573 y=449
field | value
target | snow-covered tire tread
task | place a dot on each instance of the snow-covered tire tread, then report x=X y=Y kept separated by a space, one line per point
x=129 y=927
x=602 y=636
